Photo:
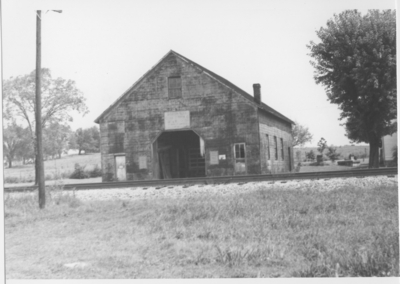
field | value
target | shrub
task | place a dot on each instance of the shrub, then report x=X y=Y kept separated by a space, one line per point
x=345 y=163
x=11 y=180
x=79 y=172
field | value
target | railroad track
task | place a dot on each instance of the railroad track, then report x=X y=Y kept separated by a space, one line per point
x=221 y=180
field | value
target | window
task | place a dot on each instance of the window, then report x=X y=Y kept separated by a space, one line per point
x=268 y=150
x=276 y=148
x=174 y=87
x=240 y=157
x=283 y=156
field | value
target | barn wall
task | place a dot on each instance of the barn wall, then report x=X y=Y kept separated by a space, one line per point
x=281 y=129
x=219 y=115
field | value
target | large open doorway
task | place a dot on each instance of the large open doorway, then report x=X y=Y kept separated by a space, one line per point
x=180 y=154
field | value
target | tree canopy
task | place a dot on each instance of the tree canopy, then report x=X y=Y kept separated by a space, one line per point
x=87 y=140
x=15 y=142
x=301 y=135
x=356 y=62
x=322 y=145
x=55 y=139
x=59 y=98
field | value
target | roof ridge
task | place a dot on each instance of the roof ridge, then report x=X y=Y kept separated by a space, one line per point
x=213 y=75
x=262 y=105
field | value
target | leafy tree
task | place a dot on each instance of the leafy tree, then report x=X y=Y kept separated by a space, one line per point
x=332 y=155
x=322 y=145
x=25 y=150
x=87 y=140
x=55 y=140
x=310 y=155
x=59 y=98
x=13 y=141
x=95 y=133
x=356 y=62
x=301 y=135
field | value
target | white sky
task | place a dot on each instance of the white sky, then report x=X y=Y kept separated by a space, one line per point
x=105 y=46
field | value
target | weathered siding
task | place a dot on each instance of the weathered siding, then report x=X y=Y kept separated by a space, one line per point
x=281 y=129
x=219 y=115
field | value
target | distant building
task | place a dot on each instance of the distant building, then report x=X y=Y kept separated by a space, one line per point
x=181 y=120
x=389 y=142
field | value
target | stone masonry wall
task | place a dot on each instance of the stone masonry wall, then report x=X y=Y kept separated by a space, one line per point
x=273 y=127
x=219 y=115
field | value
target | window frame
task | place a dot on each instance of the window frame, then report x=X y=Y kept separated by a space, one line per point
x=276 y=147
x=282 y=150
x=268 y=149
x=174 y=92
x=240 y=159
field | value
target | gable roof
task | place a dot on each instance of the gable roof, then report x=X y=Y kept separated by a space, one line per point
x=262 y=106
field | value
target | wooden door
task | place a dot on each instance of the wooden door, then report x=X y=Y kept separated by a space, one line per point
x=120 y=167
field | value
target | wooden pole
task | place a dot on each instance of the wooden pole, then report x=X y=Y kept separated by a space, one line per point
x=39 y=157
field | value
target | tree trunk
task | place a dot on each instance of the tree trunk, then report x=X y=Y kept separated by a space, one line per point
x=10 y=163
x=79 y=151
x=374 y=153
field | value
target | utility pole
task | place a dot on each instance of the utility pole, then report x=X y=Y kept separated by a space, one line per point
x=38 y=114
x=39 y=146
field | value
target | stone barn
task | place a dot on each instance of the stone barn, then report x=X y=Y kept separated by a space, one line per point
x=181 y=120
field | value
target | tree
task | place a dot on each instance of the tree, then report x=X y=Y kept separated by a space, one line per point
x=59 y=98
x=322 y=145
x=301 y=135
x=332 y=155
x=356 y=62
x=25 y=150
x=87 y=140
x=12 y=141
x=310 y=155
x=55 y=141
x=95 y=133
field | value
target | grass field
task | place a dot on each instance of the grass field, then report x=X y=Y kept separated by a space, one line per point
x=261 y=233
x=330 y=166
x=54 y=169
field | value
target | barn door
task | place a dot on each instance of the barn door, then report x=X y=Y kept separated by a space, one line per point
x=120 y=167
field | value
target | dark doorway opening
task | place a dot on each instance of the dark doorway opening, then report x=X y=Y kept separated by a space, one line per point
x=180 y=155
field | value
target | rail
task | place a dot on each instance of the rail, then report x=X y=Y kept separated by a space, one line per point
x=220 y=180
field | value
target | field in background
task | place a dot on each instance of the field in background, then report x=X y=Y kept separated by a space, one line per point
x=262 y=233
x=331 y=166
x=57 y=168
x=344 y=151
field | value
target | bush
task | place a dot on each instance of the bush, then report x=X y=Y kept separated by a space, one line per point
x=79 y=172
x=345 y=163
x=11 y=180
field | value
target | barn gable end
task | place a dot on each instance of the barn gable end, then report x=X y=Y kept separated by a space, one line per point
x=177 y=100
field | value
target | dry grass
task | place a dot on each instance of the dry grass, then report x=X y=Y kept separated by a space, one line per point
x=292 y=233
x=54 y=169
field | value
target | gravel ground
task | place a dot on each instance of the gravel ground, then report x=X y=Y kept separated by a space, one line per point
x=234 y=188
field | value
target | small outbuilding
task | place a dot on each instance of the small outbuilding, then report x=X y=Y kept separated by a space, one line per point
x=181 y=120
